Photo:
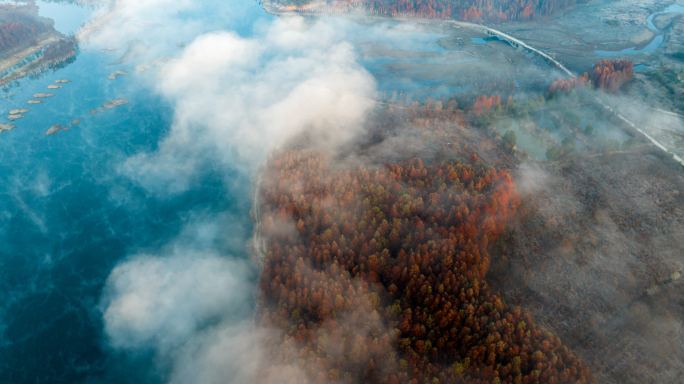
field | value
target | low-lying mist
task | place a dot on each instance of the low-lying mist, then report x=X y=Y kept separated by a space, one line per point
x=591 y=254
x=236 y=99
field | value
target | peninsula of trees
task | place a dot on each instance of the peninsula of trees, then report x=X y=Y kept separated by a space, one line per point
x=378 y=276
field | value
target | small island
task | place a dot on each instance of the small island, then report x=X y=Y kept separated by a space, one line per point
x=113 y=103
x=160 y=61
x=55 y=128
x=142 y=67
x=29 y=42
x=6 y=127
x=117 y=73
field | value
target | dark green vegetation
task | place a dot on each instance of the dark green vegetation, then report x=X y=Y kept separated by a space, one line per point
x=669 y=88
x=678 y=55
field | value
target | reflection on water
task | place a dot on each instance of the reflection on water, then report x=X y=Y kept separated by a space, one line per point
x=68 y=17
x=68 y=215
x=485 y=40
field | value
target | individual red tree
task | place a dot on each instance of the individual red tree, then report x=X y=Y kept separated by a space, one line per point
x=484 y=104
x=566 y=85
x=610 y=75
x=19 y=26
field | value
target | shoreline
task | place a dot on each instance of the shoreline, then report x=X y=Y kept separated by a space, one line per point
x=35 y=66
x=18 y=57
x=39 y=64
x=628 y=125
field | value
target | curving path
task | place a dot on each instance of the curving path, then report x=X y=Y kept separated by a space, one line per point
x=518 y=43
x=514 y=42
x=276 y=10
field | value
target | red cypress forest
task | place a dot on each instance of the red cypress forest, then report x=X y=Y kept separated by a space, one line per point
x=610 y=75
x=13 y=35
x=60 y=50
x=19 y=25
x=496 y=11
x=566 y=85
x=607 y=75
x=376 y=275
x=483 y=103
x=31 y=42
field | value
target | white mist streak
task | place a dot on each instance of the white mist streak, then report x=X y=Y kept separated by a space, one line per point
x=236 y=98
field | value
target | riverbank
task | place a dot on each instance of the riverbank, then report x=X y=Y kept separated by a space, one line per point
x=589 y=54
x=97 y=23
x=457 y=68
x=36 y=66
x=39 y=64
x=581 y=35
x=11 y=59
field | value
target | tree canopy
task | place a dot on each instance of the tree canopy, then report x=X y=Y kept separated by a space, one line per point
x=378 y=276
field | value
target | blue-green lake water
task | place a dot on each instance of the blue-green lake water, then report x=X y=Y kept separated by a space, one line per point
x=68 y=215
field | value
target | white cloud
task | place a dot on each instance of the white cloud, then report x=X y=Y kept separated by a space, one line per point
x=228 y=354
x=236 y=99
x=162 y=302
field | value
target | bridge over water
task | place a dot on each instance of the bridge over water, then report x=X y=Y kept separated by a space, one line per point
x=275 y=9
x=514 y=42
x=519 y=43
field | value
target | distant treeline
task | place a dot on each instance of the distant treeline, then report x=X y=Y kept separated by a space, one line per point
x=608 y=75
x=478 y=11
x=14 y=35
